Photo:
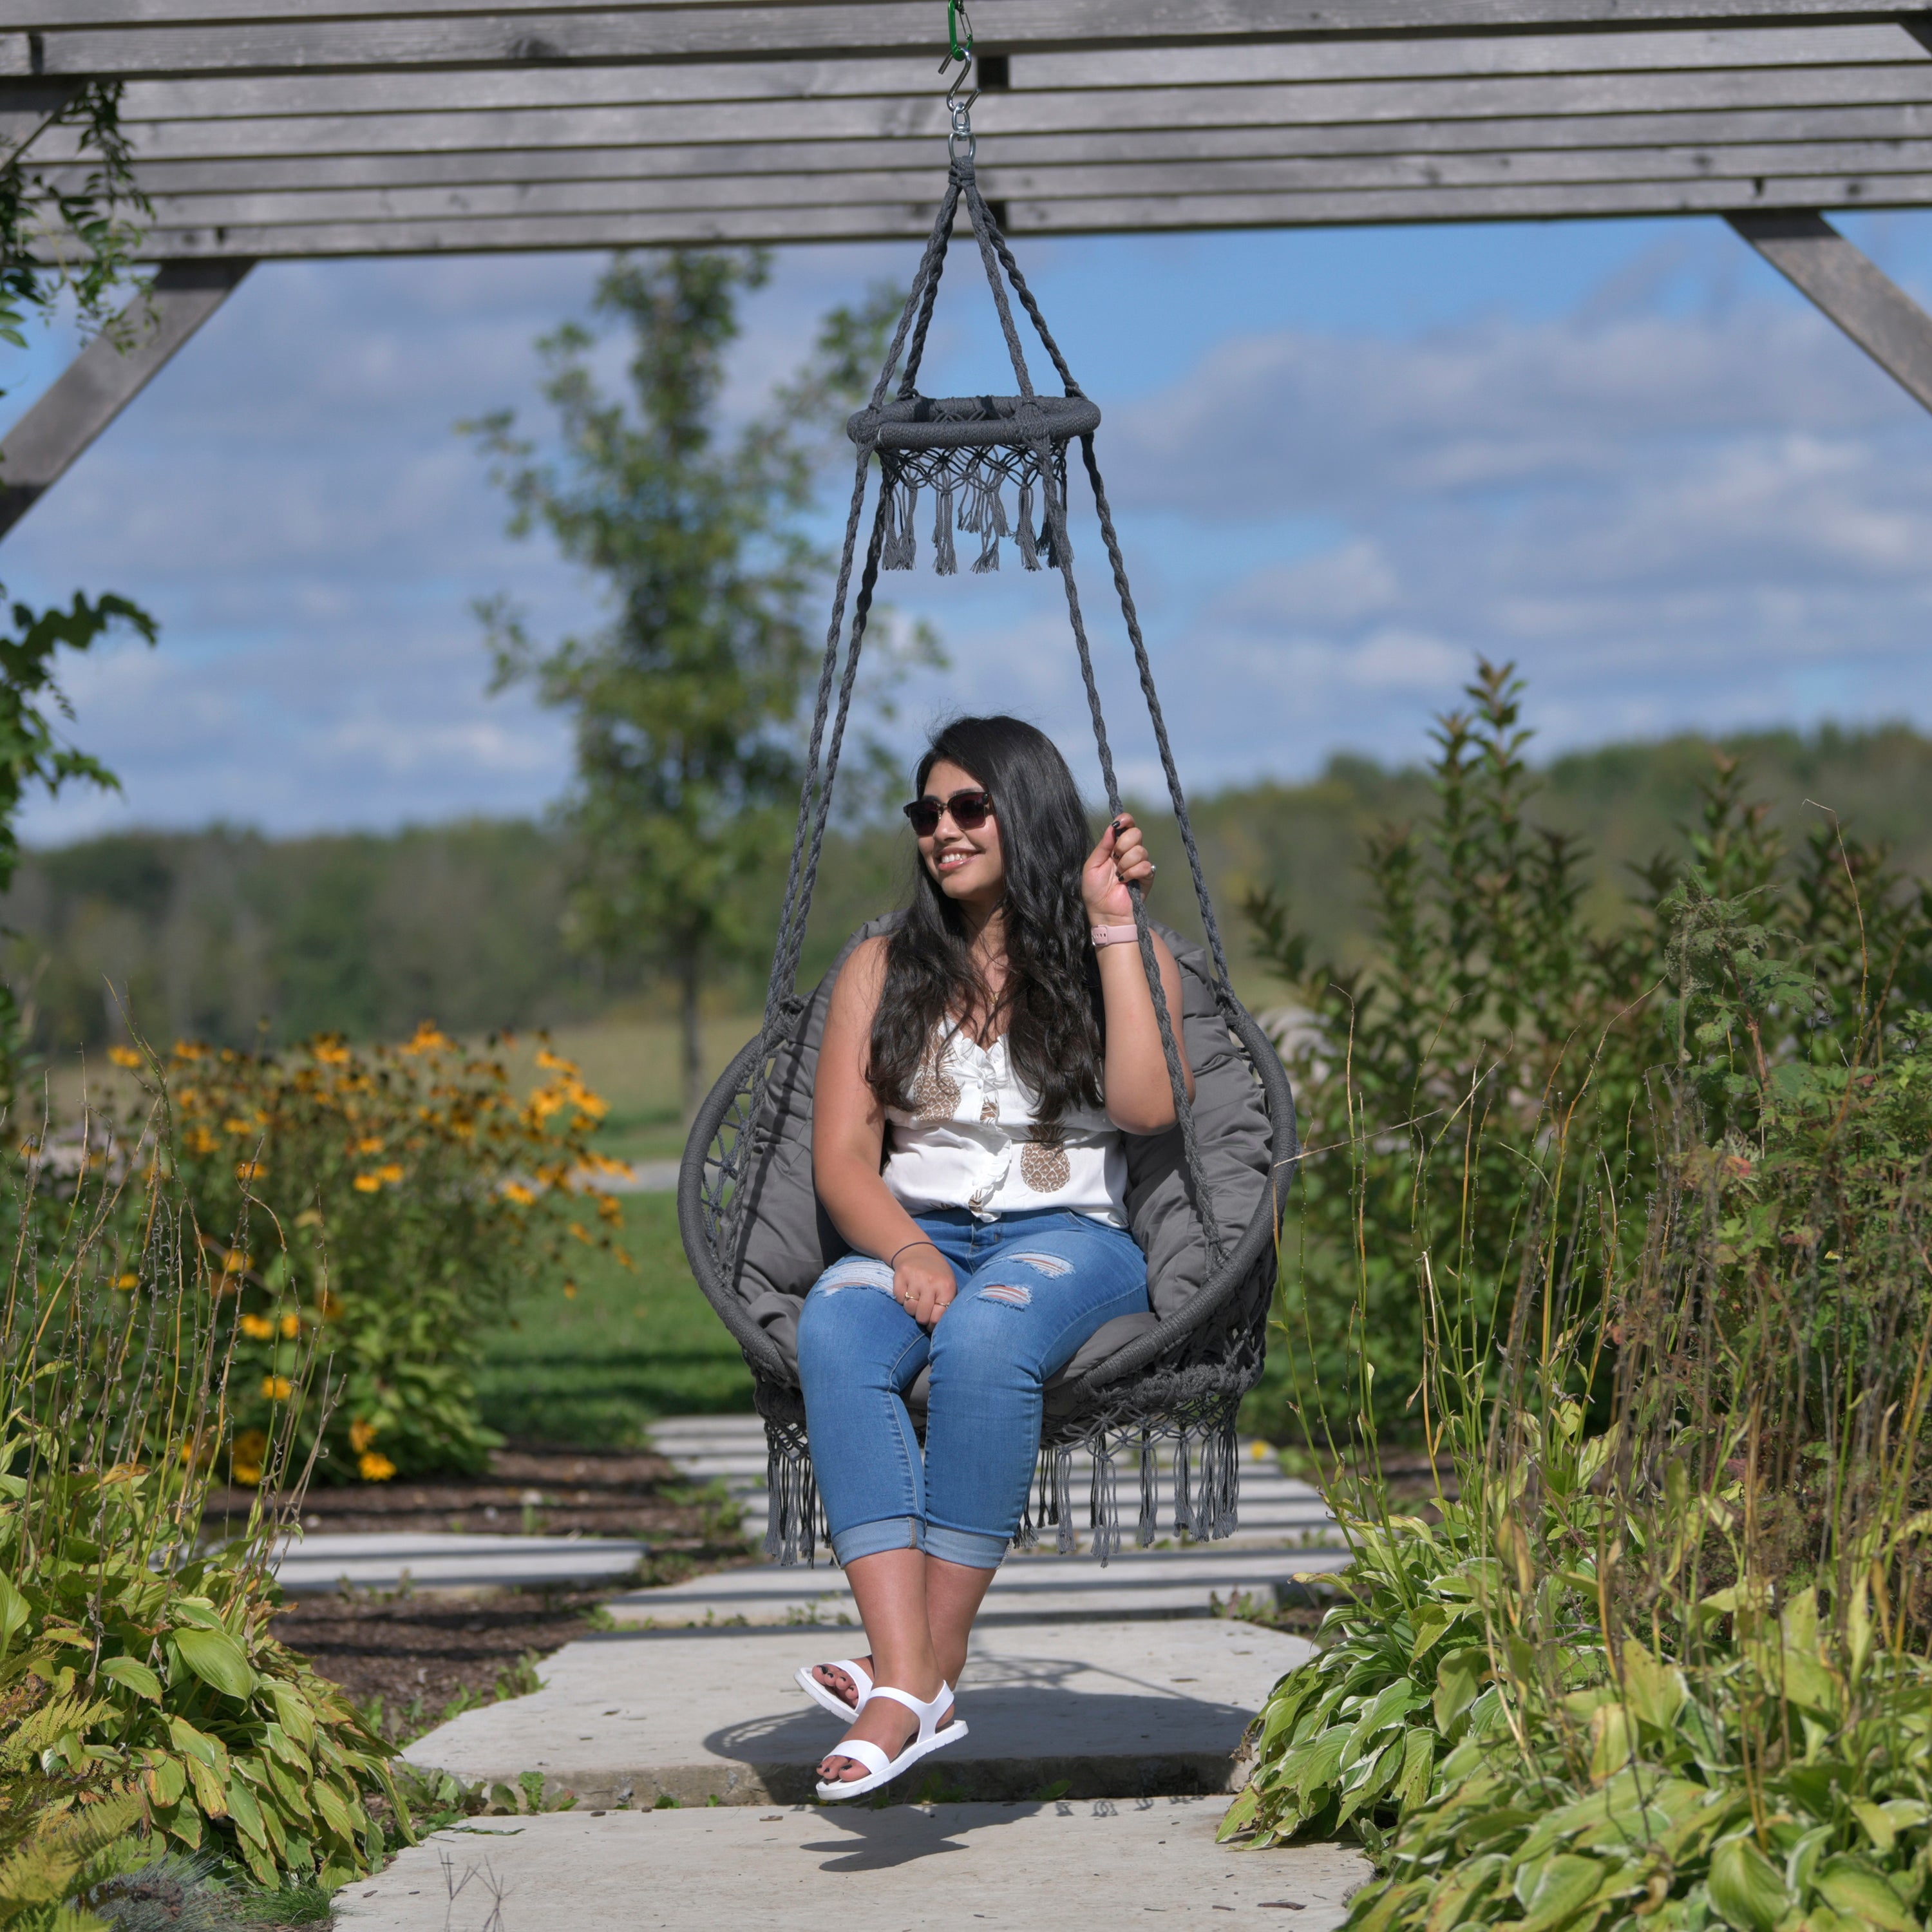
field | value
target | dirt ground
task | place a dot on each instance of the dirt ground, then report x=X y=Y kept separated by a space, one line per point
x=417 y=1652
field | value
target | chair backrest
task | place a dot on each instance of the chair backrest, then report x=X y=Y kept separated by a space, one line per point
x=787 y=1241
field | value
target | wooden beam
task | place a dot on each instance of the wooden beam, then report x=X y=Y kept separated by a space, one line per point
x=1864 y=301
x=1866 y=164
x=823 y=221
x=362 y=35
x=1884 y=44
x=102 y=380
x=1863 y=140
x=1554 y=98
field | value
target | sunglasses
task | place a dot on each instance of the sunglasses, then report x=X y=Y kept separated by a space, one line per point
x=970 y=809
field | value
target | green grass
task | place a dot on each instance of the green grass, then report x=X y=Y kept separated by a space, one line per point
x=594 y=1368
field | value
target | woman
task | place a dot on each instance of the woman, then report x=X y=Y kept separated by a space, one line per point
x=1004 y=1031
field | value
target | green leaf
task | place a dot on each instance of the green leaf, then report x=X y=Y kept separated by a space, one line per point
x=216 y=1659
x=1411 y=1784
x=1854 y=1888
x=1655 y=1691
x=333 y=1812
x=1746 y=1888
x=246 y=1813
x=13 y=1610
x=1458 y=1678
x=136 y=1676
x=1564 y=1887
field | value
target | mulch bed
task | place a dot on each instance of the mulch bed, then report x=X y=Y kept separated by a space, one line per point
x=419 y=1651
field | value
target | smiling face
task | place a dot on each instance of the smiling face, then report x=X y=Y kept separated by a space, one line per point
x=970 y=867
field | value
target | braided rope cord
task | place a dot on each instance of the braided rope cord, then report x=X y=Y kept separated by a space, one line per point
x=983 y=229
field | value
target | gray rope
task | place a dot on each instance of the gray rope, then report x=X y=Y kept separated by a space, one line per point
x=1063 y=557
x=1178 y=797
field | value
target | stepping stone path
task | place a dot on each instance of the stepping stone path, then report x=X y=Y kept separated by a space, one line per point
x=1106 y=1709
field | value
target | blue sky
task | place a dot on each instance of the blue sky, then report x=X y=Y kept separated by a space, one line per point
x=1625 y=454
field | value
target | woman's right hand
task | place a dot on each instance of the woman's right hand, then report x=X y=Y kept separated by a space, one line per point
x=923 y=1283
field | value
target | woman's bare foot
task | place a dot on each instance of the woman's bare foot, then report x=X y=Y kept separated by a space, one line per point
x=831 y=1677
x=884 y=1722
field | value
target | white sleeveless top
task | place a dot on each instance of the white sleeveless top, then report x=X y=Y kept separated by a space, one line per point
x=969 y=1144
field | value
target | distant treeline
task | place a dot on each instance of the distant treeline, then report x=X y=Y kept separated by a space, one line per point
x=228 y=936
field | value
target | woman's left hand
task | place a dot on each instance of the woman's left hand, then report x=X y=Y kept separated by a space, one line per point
x=1119 y=860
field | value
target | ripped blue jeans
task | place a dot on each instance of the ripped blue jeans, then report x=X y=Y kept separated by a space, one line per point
x=1032 y=1288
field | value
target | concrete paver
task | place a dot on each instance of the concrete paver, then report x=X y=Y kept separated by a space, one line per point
x=433 y=1560
x=942 y=1868
x=1137 y=1583
x=1115 y=1710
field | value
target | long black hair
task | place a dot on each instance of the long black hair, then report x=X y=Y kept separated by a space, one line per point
x=1051 y=998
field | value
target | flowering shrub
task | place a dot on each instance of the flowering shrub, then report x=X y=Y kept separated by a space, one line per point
x=389 y=1201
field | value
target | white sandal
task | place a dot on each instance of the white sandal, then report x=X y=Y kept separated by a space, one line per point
x=881 y=1769
x=829 y=1700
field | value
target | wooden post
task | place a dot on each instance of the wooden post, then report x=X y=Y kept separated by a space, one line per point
x=1865 y=302
x=102 y=380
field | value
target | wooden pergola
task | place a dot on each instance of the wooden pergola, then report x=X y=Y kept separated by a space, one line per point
x=354 y=127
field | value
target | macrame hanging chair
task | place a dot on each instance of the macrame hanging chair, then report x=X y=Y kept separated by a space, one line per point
x=1204 y=1201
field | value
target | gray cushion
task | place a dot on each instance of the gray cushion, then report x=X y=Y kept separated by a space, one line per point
x=790 y=1241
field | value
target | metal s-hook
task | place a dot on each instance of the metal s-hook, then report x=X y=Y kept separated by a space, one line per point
x=962 y=111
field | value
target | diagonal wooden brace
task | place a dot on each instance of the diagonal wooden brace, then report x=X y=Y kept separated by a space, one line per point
x=1871 y=308
x=103 y=380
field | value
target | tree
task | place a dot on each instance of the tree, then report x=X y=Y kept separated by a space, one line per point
x=687 y=702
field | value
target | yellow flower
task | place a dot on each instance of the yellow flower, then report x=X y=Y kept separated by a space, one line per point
x=235 y=1262
x=582 y=1233
x=360 y=1435
x=392 y=1171
x=259 y=1327
x=610 y=1209
x=127 y=1281
x=570 y=1291
x=373 y=1143
x=375 y=1467
x=291 y=1327
x=330 y=1051
x=429 y=1038
x=124 y=1056
x=250 y=1170
x=236 y=1125
x=367 y=1183
x=277 y=1388
x=515 y=1190
x=246 y=1455
x=200 y=1141
x=553 y=1063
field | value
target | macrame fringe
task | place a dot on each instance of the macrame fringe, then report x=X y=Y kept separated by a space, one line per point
x=1148 y=1527
x=791 y=1531
x=1219 y=1510
x=1103 y=1508
x=1183 y=1503
x=1029 y=543
x=945 y=561
x=902 y=543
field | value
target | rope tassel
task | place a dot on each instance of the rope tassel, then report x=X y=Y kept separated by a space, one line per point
x=945 y=560
x=1029 y=544
x=1148 y=1527
x=1183 y=1504
x=1103 y=1509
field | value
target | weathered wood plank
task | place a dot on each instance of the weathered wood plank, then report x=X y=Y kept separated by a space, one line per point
x=1864 y=301
x=102 y=380
x=1871 y=129
x=1147 y=214
x=494 y=89
x=1867 y=161
x=1551 y=96
x=514 y=36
